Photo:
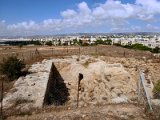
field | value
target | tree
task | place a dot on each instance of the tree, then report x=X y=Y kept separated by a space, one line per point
x=140 y=47
x=49 y=43
x=108 y=42
x=156 y=50
x=105 y=42
x=80 y=42
x=36 y=42
x=59 y=42
x=99 y=41
x=11 y=67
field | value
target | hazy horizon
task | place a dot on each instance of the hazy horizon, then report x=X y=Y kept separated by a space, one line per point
x=51 y=17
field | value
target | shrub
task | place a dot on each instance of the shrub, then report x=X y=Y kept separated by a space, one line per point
x=37 y=42
x=85 y=44
x=156 y=90
x=140 y=47
x=99 y=42
x=76 y=42
x=117 y=44
x=11 y=67
x=49 y=43
x=156 y=50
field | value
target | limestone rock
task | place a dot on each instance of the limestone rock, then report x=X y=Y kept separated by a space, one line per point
x=102 y=82
x=155 y=102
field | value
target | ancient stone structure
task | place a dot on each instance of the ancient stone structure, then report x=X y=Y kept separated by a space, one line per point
x=54 y=81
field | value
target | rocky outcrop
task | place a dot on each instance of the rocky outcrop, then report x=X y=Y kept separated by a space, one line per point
x=102 y=83
x=29 y=91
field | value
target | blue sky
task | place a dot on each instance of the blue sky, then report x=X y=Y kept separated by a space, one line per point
x=34 y=17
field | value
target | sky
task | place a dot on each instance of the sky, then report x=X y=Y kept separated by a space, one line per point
x=49 y=17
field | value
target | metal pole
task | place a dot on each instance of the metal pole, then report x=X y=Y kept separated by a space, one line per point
x=145 y=90
x=139 y=87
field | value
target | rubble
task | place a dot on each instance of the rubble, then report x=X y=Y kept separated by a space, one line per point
x=106 y=80
x=29 y=91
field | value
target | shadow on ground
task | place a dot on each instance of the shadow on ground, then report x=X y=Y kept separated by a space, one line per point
x=57 y=92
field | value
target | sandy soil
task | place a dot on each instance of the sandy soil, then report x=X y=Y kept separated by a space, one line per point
x=102 y=112
x=132 y=60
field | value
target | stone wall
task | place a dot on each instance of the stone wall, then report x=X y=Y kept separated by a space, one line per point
x=29 y=91
x=55 y=81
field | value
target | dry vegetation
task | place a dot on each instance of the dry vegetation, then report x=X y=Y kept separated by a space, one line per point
x=145 y=60
x=102 y=112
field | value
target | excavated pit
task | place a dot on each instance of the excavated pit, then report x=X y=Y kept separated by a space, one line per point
x=54 y=82
x=56 y=91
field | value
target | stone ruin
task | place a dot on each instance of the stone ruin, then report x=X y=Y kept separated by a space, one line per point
x=54 y=81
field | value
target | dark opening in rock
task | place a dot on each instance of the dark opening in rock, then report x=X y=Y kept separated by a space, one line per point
x=57 y=92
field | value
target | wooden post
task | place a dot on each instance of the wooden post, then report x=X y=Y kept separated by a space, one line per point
x=79 y=52
x=67 y=49
x=78 y=95
x=96 y=49
x=2 y=99
x=30 y=54
x=124 y=53
x=80 y=77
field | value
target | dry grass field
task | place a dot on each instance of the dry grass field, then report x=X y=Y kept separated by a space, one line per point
x=32 y=54
x=29 y=52
x=100 y=112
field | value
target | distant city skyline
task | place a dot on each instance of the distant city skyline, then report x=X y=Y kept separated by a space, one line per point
x=47 y=17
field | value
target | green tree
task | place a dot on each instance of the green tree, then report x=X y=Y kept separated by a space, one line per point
x=59 y=42
x=11 y=67
x=49 y=43
x=108 y=42
x=75 y=41
x=99 y=41
x=37 y=42
x=156 y=50
x=140 y=47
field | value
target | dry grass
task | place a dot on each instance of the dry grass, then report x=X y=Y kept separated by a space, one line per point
x=6 y=87
x=28 y=54
x=102 y=112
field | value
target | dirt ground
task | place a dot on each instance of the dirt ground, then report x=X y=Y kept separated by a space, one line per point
x=101 y=112
x=32 y=54
x=132 y=60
